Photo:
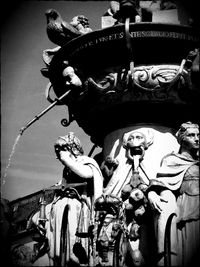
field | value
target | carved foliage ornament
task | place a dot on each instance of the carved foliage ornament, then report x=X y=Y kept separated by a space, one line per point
x=155 y=82
x=148 y=78
x=154 y=77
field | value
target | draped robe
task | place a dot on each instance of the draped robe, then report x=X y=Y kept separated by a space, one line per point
x=55 y=211
x=178 y=180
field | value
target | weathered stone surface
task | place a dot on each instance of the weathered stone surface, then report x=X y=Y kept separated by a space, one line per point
x=160 y=85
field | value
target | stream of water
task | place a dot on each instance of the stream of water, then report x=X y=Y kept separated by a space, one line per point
x=10 y=158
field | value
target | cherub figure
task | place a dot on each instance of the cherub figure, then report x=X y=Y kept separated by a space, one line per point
x=107 y=168
x=81 y=23
x=71 y=78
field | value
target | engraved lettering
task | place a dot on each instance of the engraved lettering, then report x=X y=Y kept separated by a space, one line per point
x=138 y=34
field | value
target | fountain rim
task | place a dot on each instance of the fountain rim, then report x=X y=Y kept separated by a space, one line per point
x=146 y=30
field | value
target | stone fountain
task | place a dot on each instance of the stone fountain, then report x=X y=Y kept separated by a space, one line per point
x=136 y=75
x=134 y=78
x=126 y=76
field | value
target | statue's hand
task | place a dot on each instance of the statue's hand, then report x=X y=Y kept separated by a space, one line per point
x=64 y=156
x=155 y=201
x=41 y=228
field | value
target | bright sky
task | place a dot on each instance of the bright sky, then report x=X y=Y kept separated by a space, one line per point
x=33 y=165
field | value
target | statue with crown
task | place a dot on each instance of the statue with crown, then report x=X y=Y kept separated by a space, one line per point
x=132 y=86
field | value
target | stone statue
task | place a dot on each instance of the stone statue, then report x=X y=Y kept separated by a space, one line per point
x=70 y=77
x=81 y=185
x=128 y=9
x=132 y=147
x=166 y=4
x=133 y=9
x=107 y=167
x=131 y=187
x=81 y=23
x=58 y=30
x=176 y=190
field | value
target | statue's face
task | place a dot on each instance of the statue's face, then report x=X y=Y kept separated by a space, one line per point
x=191 y=138
x=135 y=145
x=136 y=141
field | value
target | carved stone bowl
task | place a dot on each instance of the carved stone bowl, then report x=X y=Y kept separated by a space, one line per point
x=144 y=80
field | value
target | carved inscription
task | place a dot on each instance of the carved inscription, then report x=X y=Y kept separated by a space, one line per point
x=138 y=34
x=101 y=39
x=162 y=34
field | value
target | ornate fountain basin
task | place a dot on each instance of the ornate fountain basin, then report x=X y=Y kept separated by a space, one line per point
x=152 y=44
x=157 y=89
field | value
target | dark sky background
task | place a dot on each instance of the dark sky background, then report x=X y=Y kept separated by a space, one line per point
x=33 y=165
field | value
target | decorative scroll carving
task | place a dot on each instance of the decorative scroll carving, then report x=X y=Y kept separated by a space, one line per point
x=113 y=86
x=155 y=82
x=103 y=86
x=151 y=78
